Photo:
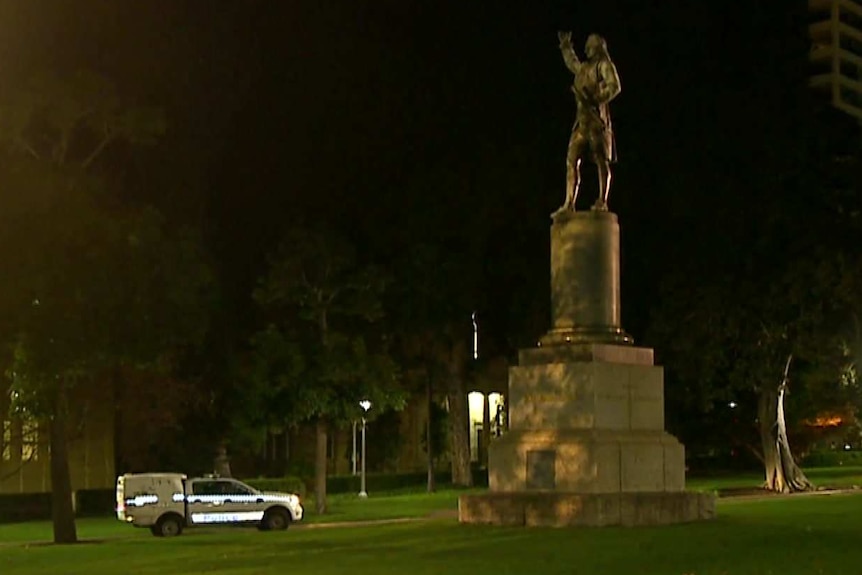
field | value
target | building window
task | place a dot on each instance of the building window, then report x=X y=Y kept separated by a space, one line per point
x=6 y=443
x=29 y=439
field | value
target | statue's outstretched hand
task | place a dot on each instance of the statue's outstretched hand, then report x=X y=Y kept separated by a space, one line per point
x=565 y=39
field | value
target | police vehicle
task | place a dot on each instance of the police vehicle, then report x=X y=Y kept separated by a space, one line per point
x=169 y=502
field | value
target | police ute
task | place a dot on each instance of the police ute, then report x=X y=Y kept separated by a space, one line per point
x=169 y=502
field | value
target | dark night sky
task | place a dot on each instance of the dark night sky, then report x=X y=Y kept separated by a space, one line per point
x=341 y=109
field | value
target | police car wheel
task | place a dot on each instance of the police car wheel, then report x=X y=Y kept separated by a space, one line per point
x=169 y=526
x=275 y=520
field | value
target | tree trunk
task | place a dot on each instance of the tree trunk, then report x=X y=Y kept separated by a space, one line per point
x=62 y=513
x=320 y=448
x=459 y=419
x=320 y=467
x=429 y=446
x=782 y=473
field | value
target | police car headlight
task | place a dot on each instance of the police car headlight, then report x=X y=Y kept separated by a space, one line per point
x=293 y=499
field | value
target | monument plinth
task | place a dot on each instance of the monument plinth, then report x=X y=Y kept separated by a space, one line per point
x=586 y=443
x=585 y=278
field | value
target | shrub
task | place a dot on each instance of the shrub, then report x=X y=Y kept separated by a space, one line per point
x=382 y=481
x=832 y=458
x=287 y=484
x=16 y=507
x=376 y=482
x=95 y=502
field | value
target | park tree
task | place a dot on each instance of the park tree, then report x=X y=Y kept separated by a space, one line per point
x=96 y=292
x=323 y=349
x=431 y=311
x=762 y=335
x=68 y=122
x=96 y=284
x=751 y=319
x=444 y=250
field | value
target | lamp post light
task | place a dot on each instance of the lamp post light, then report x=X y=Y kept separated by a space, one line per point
x=365 y=405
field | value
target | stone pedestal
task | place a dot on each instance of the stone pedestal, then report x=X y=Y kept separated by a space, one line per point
x=586 y=442
x=585 y=279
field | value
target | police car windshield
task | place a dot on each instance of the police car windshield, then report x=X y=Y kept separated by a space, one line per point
x=221 y=487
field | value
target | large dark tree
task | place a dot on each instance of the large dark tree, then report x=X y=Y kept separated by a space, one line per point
x=432 y=314
x=748 y=317
x=741 y=330
x=322 y=350
x=96 y=284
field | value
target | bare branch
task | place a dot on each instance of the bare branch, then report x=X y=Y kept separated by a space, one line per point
x=22 y=463
x=305 y=281
x=29 y=149
x=100 y=147
x=764 y=329
x=332 y=295
x=66 y=136
x=783 y=384
x=758 y=454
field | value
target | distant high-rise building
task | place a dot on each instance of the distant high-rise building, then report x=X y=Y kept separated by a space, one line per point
x=836 y=52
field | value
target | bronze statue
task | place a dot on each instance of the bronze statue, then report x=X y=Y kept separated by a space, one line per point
x=596 y=84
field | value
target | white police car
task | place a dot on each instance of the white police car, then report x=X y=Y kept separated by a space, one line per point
x=169 y=502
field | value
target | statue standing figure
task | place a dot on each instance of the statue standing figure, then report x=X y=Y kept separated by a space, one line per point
x=221 y=463
x=596 y=84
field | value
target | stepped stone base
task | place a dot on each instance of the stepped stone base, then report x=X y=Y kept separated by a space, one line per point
x=586 y=461
x=561 y=509
x=586 y=444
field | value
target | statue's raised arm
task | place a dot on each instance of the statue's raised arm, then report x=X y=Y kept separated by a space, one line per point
x=570 y=57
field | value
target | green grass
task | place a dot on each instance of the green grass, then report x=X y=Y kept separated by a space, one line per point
x=793 y=535
x=88 y=528
x=789 y=536
x=827 y=477
x=349 y=507
x=342 y=508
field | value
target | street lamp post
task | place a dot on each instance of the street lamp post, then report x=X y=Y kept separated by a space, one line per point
x=365 y=405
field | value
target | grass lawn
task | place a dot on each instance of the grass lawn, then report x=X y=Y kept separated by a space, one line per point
x=348 y=507
x=822 y=477
x=817 y=534
x=787 y=536
x=342 y=507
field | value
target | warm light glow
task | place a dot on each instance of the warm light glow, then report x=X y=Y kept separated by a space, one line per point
x=475 y=336
x=476 y=399
x=476 y=407
x=825 y=421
